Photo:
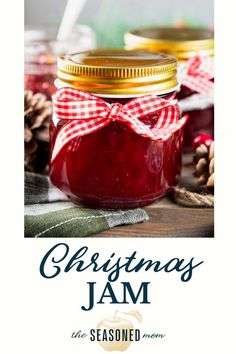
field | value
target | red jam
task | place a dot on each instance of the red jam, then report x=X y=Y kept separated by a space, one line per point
x=200 y=121
x=114 y=167
x=40 y=75
x=43 y=83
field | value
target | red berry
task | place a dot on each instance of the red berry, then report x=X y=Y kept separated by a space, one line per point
x=200 y=139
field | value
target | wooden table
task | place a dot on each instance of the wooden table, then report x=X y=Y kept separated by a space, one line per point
x=168 y=219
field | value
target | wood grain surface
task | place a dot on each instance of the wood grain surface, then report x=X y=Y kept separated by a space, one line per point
x=168 y=219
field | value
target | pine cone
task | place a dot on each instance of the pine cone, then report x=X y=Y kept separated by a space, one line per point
x=37 y=112
x=204 y=161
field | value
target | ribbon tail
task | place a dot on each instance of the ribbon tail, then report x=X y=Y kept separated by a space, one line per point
x=200 y=85
x=75 y=129
x=138 y=127
x=168 y=116
x=164 y=134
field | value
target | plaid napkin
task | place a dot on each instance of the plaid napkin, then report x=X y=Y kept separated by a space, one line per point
x=49 y=213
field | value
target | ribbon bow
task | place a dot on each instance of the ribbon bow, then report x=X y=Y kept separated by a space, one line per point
x=86 y=113
x=196 y=74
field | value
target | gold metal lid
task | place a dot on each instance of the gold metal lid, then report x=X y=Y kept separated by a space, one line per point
x=118 y=71
x=183 y=43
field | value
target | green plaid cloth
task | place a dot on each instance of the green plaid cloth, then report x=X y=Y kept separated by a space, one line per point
x=49 y=213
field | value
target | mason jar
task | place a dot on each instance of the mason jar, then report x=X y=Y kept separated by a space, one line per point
x=116 y=131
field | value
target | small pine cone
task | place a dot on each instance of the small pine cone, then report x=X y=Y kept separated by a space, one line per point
x=201 y=152
x=204 y=165
x=211 y=166
x=211 y=151
x=210 y=182
x=37 y=112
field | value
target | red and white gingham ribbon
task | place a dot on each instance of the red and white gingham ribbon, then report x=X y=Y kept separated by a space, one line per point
x=86 y=113
x=197 y=73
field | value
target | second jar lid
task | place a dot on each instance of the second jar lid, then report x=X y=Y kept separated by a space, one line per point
x=118 y=72
x=184 y=43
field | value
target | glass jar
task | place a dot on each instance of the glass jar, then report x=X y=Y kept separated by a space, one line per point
x=184 y=43
x=114 y=167
x=41 y=52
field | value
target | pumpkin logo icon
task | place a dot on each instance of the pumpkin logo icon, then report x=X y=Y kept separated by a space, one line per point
x=120 y=331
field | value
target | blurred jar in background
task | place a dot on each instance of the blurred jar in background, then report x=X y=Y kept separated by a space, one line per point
x=185 y=44
x=41 y=52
